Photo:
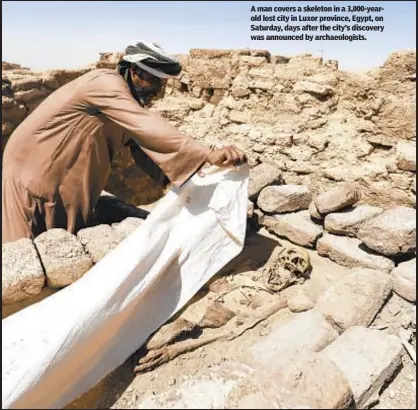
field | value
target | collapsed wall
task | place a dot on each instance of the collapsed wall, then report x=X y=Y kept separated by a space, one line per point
x=319 y=125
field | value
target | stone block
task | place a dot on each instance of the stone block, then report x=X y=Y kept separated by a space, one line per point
x=356 y=299
x=352 y=253
x=368 y=358
x=348 y=222
x=126 y=227
x=98 y=241
x=337 y=198
x=391 y=233
x=22 y=273
x=297 y=227
x=63 y=257
x=405 y=280
x=284 y=198
x=306 y=332
x=261 y=176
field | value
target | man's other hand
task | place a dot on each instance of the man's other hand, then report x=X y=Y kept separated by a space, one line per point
x=226 y=157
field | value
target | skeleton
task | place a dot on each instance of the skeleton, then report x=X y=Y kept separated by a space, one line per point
x=286 y=267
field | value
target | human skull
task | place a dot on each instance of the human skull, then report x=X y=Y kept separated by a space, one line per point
x=286 y=267
x=296 y=261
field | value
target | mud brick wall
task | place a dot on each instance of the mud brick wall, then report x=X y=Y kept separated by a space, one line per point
x=319 y=125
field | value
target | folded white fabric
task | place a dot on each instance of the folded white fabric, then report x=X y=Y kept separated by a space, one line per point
x=56 y=350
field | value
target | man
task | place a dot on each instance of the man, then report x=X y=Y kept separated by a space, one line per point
x=57 y=162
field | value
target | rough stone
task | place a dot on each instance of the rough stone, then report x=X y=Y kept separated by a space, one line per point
x=383 y=140
x=235 y=385
x=368 y=358
x=297 y=227
x=98 y=241
x=22 y=273
x=284 y=198
x=348 y=222
x=240 y=92
x=406 y=156
x=405 y=280
x=306 y=332
x=63 y=257
x=313 y=88
x=356 y=299
x=314 y=212
x=126 y=227
x=261 y=176
x=238 y=116
x=393 y=232
x=310 y=381
x=351 y=253
x=337 y=198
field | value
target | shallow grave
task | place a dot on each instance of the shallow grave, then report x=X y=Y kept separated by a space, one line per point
x=318 y=311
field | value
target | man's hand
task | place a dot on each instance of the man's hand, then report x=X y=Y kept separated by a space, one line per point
x=226 y=157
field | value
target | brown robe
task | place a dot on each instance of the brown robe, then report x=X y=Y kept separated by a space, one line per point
x=57 y=162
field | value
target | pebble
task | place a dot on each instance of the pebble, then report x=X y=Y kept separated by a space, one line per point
x=410 y=377
x=391 y=395
x=151 y=378
x=172 y=382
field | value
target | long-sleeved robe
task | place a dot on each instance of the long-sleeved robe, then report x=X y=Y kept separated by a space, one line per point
x=57 y=162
